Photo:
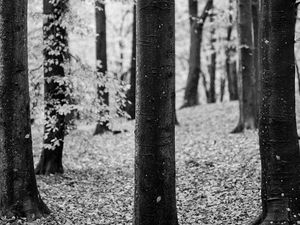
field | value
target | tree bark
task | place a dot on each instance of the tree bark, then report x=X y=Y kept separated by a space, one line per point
x=19 y=195
x=130 y=107
x=196 y=27
x=255 y=24
x=56 y=96
x=213 y=57
x=101 y=58
x=230 y=63
x=246 y=78
x=279 y=148
x=155 y=199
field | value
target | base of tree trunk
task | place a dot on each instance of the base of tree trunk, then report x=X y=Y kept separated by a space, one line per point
x=50 y=162
x=28 y=207
x=247 y=125
x=101 y=129
x=258 y=220
x=187 y=104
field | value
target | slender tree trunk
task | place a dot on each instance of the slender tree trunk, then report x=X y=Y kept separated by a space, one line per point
x=255 y=23
x=246 y=76
x=101 y=58
x=130 y=107
x=196 y=26
x=279 y=146
x=230 y=63
x=55 y=56
x=222 y=89
x=212 y=67
x=155 y=199
x=19 y=195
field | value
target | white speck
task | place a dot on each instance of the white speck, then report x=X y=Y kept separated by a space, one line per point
x=27 y=136
x=158 y=199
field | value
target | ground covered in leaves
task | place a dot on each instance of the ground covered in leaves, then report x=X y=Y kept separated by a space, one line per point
x=217 y=172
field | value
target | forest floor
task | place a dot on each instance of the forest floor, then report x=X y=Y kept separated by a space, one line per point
x=217 y=172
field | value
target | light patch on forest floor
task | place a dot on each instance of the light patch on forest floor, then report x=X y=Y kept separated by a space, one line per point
x=217 y=173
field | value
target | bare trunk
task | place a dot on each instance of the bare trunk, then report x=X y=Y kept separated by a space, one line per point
x=155 y=199
x=230 y=63
x=279 y=146
x=101 y=58
x=19 y=195
x=55 y=40
x=246 y=76
x=130 y=107
x=191 y=90
x=212 y=67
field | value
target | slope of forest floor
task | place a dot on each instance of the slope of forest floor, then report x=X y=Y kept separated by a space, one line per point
x=217 y=172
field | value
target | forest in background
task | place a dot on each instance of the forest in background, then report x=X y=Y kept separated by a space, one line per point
x=217 y=171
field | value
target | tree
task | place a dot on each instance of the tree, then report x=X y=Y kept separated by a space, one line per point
x=101 y=58
x=56 y=54
x=130 y=107
x=230 y=63
x=155 y=201
x=278 y=139
x=211 y=96
x=196 y=27
x=246 y=77
x=18 y=189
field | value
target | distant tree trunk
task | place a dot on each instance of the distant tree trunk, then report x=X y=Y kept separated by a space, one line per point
x=255 y=20
x=55 y=56
x=155 y=200
x=222 y=89
x=230 y=63
x=279 y=146
x=246 y=76
x=196 y=27
x=212 y=66
x=19 y=195
x=101 y=58
x=130 y=107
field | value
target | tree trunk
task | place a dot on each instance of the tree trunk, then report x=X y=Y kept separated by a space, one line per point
x=56 y=96
x=155 y=199
x=101 y=58
x=255 y=21
x=19 y=195
x=212 y=67
x=246 y=76
x=196 y=27
x=230 y=63
x=130 y=107
x=279 y=148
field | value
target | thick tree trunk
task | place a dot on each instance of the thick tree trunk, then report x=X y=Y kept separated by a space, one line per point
x=196 y=26
x=230 y=63
x=279 y=148
x=101 y=58
x=247 y=100
x=19 y=195
x=212 y=67
x=155 y=199
x=130 y=107
x=55 y=56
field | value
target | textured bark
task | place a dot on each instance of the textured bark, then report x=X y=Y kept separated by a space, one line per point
x=101 y=58
x=55 y=57
x=19 y=195
x=196 y=27
x=246 y=77
x=130 y=107
x=255 y=23
x=211 y=98
x=230 y=63
x=279 y=148
x=155 y=200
